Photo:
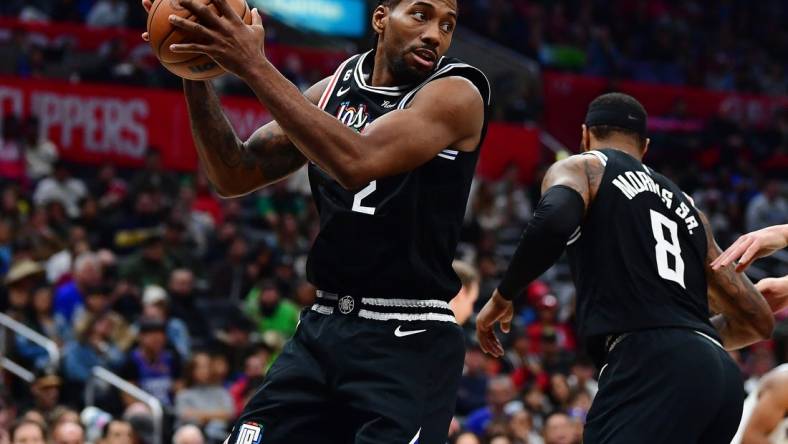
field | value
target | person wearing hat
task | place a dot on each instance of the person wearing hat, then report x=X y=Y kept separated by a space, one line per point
x=155 y=305
x=45 y=392
x=640 y=255
x=19 y=282
x=150 y=265
x=152 y=366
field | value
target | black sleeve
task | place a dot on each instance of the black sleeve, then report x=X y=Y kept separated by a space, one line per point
x=558 y=215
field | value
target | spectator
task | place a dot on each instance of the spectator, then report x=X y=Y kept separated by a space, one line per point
x=27 y=431
x=255 y=365
x=270 y=311
x=108 y=13
x=548 y=320
x=154 y=178
x=462 y=304
x=43 y=321
x=204 y=402
x=93 y=347
x=40 y=153
x=150 y=365
x=12 y=162
x=466 y=438
x=473 y=384
x=70 y=296
x=61 y=187
x=560 y=429
x=150 y=266
x=154 y=306
x=20 y=281
x=188 y=434
x=554 y=358
x=767 y=209
x=45 y=391
x=68 y=432
x=183 y=304
x=500 y=392
x=118 y=431
x=522 y=428
x=7 y=416
x=229 y=279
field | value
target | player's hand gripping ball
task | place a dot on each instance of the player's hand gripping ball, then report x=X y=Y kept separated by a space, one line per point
x=161 y=34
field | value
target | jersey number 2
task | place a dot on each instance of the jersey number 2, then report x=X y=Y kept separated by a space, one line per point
x=363 y=194
x=667 y=247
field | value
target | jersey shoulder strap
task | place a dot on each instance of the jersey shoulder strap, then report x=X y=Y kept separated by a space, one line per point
x=451 y=67
x=345 y=70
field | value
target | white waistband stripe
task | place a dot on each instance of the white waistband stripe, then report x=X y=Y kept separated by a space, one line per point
x=405 y=317
x=323 y=309
x=406 y=303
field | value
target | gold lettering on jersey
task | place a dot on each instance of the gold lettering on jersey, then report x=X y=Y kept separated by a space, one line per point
x=632 y=183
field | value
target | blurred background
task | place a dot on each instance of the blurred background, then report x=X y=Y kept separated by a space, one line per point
x=115 y=252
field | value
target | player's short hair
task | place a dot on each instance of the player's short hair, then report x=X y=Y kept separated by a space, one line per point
x=617 y=113
x=466 y=272
x=389 y=3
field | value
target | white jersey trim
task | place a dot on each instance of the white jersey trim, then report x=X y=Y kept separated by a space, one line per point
x=408 y=97
x=329 y=92
x=358 y=74
x=599 y=155
x=323 y=309
x=406 y=317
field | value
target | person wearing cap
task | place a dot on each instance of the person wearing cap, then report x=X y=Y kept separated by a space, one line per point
x=640 y=255
x=150 y=265
x=155 y=305
x=151 y=365
x=19 y=282
x=547 y=310
x=45 y=390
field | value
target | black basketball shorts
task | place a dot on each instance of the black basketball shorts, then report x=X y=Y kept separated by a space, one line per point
x=360 y=371
x=664 y=386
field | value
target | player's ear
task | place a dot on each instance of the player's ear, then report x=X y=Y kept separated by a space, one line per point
x=379 y=19
x=645 y=147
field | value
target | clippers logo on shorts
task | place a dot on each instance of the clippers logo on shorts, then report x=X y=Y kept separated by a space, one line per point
x=250 y=433
x=346 y=305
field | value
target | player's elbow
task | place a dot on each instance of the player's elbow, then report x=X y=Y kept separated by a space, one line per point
x=353 y=176
x=764 y=325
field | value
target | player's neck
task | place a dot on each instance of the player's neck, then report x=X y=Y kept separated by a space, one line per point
x=622 y=145
x=382 y=75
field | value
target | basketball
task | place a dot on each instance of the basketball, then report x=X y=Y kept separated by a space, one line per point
x=163 y=34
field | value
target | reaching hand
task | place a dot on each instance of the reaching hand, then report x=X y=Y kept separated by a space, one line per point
x=753 y=246
x=775 y=291
x=147 y=4
x=497 y=309
x=226 y=39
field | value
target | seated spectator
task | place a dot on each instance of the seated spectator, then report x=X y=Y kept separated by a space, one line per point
x=204 y=402
x=118 y=431
x=7 y=416
x=554 y=358
x=26 y=431
x=183 y=304
x=12 y=160
x=68 y=432
x=548 y=319
x=108 y=13
x=155 y=306
x=61 y=187
x=767 y=208
x=561 y=429
x=70 y=296
x=40 y=153
x=499 y=439
x=188 y=434
x=45 y=391
x=153 y=177
x=20 y=281
x=150 y=365
x=466 y=438
x=462 y=304
x=522 y=428
x=473 y=384
x=93 y=347
x=500 y=393
x=150 y=266
x=270 y=311
x=255 y=365
x=230 y=279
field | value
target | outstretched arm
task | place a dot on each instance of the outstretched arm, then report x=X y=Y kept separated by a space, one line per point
x=769 y=411
x=233 y=166
x=567 y=190
x=752 y=246
x=775 y=290
x=743 y=316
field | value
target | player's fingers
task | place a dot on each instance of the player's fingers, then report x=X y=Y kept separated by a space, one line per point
x=147 y=4
x=146 y=36
x=193 y=28
x=256 y=19
x=225 y=10
x=735 y=251
x=748 y=257
x=189 y=47
x=203 y=12
x=717 y=263
x=506 y=323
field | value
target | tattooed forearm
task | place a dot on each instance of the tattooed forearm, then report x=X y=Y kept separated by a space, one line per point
x=235 y=167
x=744 y=316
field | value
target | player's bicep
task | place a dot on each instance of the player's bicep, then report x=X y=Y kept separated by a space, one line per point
x=580 y=173
x=766 y=416
x=446 y=113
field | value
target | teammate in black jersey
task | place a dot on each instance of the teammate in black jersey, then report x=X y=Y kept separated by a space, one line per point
x=391 y=140
x=641 y=257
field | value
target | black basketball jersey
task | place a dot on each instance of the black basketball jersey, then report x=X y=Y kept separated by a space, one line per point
x=397 y=236
x=638 y=259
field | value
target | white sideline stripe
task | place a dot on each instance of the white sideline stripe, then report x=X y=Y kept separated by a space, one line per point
x=447 y=157
x=415 y=438
x=710 y=339
x=406 y=317
x=323 y=309
x=407 y=303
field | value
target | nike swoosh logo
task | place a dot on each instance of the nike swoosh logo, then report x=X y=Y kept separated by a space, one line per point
x=342 y=92
x=401 y=334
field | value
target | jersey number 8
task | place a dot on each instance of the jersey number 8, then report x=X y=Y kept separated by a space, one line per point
x=667 y=247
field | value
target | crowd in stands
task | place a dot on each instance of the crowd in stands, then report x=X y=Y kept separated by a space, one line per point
x=723 y=45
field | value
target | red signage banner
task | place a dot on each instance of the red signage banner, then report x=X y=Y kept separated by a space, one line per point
x=566 y=98
x=108 y=123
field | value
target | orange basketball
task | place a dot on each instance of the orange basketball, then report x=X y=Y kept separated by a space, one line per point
x=163 y=34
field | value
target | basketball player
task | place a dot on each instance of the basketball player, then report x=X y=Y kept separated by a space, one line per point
x=640 y=254
x=391 y=141
x=756 y=245
x=765 y=418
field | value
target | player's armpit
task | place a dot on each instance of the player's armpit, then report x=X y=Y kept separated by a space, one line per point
x=744 y=316
x=768 y=413
x=235 y=167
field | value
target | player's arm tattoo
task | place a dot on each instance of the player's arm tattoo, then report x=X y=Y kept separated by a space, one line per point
x=581 y=173
x=233 y=166
x=742 y=315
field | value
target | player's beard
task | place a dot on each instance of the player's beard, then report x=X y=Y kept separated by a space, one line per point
x=406 y=74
